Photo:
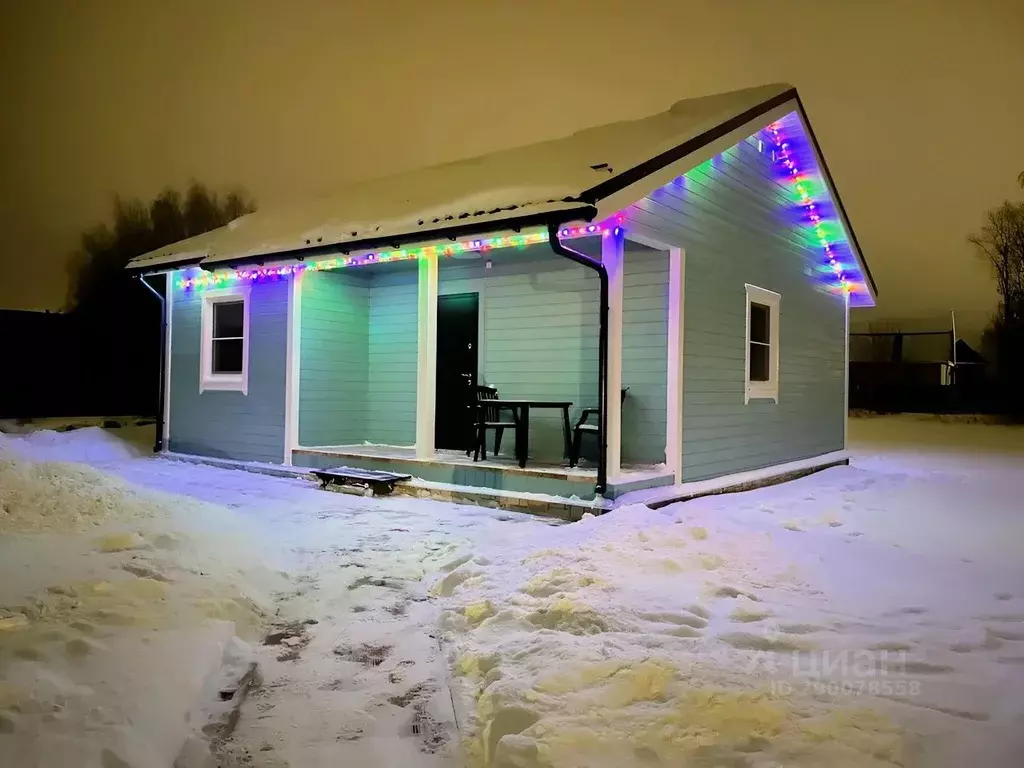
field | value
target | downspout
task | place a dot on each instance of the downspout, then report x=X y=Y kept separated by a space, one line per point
x=602 y=349
x=158 y=445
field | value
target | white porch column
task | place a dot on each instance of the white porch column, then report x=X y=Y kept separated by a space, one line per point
x=674 y=400
x=614 y=260
x=426 y=357
x=291 y=386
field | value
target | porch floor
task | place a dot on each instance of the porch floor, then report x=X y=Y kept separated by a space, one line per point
x=501 y=472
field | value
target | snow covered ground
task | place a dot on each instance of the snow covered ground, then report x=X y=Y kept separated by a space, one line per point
x=119 y=607
x=870 y=615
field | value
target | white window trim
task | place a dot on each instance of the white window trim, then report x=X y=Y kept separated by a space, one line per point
x=229 y=382
x=762 y=390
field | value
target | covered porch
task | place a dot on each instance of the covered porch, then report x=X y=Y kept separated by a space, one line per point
x=391 y=355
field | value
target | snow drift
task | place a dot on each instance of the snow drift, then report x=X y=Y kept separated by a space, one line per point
x=120 y=609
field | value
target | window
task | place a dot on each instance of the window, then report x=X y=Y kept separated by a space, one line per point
x=225 y=350
x=762 y=355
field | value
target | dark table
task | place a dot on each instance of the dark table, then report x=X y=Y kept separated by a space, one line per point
x=523 y=433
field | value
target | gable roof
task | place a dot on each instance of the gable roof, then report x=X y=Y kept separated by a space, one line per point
x=560 y=180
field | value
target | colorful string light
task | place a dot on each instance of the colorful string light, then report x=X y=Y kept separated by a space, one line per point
x=810 y=193
x=227 y=277
x=807 y=184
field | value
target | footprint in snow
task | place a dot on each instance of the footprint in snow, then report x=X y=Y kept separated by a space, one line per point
x=912 y=610
x=890 y=646
x=800 y=629
x=1001 y=633
x=697 y=622
x=914 y=667
x=367 y=654
x=747 y=641
x=733 y=592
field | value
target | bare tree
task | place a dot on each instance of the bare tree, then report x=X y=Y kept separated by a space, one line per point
x=1001 y=243
x=97 y=270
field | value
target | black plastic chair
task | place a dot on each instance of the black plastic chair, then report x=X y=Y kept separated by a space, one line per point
x=490 y=417
x=584 y=428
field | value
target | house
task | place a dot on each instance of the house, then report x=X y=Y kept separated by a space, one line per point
x=699 y=260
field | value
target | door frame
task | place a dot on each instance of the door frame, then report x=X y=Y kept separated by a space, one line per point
x=470 y=285
x=456 y=294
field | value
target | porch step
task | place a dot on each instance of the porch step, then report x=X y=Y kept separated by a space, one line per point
x=376 y=482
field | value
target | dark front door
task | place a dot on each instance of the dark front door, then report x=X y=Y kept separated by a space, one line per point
x=458 y=322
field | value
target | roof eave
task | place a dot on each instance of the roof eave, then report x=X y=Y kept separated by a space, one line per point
x=583 y=212
x=164 y=266
x=834 y=190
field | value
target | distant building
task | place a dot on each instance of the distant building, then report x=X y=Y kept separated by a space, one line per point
x=915 y=371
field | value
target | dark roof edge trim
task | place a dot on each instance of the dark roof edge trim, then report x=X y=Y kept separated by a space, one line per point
x=637 y=173
x=155 y=269
x=838 y=200
x=582 y=213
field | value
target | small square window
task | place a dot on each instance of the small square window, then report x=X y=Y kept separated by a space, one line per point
x=228 y=336
x=225 y=342
x=762 y=353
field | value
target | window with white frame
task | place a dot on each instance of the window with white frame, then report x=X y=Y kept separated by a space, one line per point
x=224 y=363
x=762 y=356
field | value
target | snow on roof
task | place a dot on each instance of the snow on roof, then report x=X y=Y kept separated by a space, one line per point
x=550 y=177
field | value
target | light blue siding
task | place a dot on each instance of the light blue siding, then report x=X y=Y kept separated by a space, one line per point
x=248 y=427
x=333 y=359
x=731 y=218
x=357 y=380
x=644 y=355
x=393 y=338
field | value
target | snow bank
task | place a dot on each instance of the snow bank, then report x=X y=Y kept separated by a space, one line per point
x=89 y=444
x=50 y=496
x=119 y=609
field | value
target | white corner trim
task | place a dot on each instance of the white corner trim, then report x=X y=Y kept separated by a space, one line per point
x=426 y=355
x=292 y=358
x=169 y=309
x=676 y=343
x=762 y=390
x=223 y=382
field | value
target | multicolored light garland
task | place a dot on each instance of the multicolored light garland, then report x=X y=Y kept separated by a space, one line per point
x=812 y=197
x=795 y=161
x=227 y=277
